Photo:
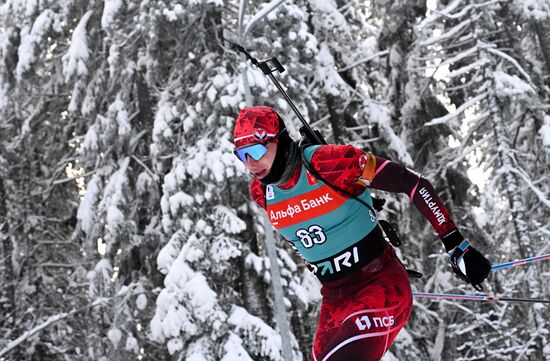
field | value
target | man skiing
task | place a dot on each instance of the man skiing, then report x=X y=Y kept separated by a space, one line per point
x=327 y=217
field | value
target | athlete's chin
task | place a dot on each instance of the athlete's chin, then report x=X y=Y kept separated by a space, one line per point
x=261 y=174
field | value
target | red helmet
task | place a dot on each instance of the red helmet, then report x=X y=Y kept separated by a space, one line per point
x=256 y=125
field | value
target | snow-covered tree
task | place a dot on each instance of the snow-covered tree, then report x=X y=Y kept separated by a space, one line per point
x=479 y=61
x=126 y=229
x=39 y=265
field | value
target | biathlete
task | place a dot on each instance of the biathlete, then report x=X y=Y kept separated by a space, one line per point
x=366 y=291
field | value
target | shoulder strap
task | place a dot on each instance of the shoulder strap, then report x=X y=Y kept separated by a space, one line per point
x=336 y=188
x=378 y=203
x=368 y=171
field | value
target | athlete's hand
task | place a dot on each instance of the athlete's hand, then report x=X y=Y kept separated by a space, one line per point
x=469 y=264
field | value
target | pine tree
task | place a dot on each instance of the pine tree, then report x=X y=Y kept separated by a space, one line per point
x=126 y=229
x=497 y=103
x=39 y=266
x=199 y=311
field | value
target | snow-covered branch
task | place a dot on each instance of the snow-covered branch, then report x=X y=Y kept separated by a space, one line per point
x=50 y=321
x=365 y=60
x=458 y=111
x=452 y=32
x=540 y=194
x=511 y=60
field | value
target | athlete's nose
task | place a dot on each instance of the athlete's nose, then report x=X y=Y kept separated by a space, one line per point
x=250 y=160
x=252 y=164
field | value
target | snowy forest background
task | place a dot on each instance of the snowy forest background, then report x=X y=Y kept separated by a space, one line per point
x=126 y=229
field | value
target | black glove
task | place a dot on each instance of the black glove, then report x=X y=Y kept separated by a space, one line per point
x=469 y=264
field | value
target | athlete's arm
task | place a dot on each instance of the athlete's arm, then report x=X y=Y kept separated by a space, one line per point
x=394 y=177
x=342 y=165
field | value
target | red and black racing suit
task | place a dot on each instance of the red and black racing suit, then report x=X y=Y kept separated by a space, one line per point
x=362 y=313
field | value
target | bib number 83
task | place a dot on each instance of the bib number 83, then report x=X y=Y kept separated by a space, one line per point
x=313 y=235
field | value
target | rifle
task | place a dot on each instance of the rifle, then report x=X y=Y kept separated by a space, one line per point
x=309 y=136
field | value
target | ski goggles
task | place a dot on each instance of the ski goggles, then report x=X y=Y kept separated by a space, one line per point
x=256 y=150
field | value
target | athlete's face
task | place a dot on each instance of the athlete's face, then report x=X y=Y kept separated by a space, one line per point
x=261 y=167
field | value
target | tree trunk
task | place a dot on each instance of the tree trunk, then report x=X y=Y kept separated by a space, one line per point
x=543 y=33
x=254 y=290
x=336 y=118
x=6 y=269
x=512 y=188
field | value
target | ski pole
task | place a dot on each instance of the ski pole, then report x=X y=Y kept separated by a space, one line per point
x=449 y=296
x=520 y=262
